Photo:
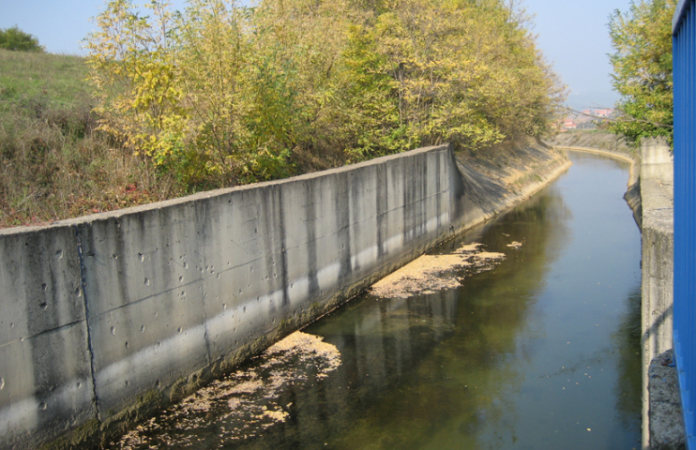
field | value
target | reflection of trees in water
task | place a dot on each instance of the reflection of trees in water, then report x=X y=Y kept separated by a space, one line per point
x=434 y=371
x=627 y=344
x=501 y=326
x=426 y=371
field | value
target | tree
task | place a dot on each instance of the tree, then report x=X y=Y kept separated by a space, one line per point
x=15 y=39
x=222 y=94
x=642 y=65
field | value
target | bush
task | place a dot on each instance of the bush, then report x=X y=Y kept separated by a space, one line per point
x=15 y=39
x=223 y=94
x=642 y=38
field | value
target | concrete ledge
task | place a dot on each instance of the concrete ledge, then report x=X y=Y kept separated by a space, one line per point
x=663 y=426
x=667 y=430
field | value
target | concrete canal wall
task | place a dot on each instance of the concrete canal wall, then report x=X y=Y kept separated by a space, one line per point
x=105 y=318
x=657 y=230
x=663 y=426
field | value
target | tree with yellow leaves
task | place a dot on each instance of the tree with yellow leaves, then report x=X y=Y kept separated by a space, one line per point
x=221 y=94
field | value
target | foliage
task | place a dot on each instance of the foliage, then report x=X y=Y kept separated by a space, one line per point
x=53 y=164
x=221 y=94
x=15 y=39
x=643 y=68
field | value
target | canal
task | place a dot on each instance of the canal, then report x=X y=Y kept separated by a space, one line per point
x=538 y=350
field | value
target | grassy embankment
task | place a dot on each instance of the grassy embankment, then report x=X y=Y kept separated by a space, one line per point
x=54 y=164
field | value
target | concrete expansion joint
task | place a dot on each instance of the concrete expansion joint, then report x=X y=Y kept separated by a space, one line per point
x=90 y=346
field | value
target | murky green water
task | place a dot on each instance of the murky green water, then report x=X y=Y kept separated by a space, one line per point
x=540 y=353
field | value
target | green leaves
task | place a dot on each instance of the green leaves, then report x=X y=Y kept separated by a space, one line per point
x=221 y=94
x=15 y=39
x=643 y=69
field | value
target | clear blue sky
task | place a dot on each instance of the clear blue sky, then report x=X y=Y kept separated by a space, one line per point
x=573 y=35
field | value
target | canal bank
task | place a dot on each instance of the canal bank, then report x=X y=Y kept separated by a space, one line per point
x=651 y=197
x=107 y=318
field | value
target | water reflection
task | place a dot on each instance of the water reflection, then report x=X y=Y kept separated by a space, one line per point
x=540 y=352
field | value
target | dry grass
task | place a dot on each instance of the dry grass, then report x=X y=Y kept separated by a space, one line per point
x=54 y=164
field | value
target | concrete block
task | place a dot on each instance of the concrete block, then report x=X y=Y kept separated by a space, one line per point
x=656 y=161
x=40 y=283
x=144 y=290
x=667 y=430
x=45 y=377
x=363 y=200
x=243 y=300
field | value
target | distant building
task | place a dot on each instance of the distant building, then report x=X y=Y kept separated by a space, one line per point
x=603 y=112
x=598 y=112
x=568 y=124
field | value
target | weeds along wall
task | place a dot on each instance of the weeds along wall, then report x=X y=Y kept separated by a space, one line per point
x=105 y=316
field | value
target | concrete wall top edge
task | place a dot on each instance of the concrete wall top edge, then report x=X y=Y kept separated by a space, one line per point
x=214 y=193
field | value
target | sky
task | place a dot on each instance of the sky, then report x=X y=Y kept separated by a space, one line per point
x=573 y=35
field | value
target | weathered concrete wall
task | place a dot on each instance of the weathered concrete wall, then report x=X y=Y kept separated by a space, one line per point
x=106 y=317
x=657 y=194
x=45 y=376
x=105 y=312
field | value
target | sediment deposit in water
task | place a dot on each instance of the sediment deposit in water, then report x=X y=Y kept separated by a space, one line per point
x=244 y=404
x=426 y=274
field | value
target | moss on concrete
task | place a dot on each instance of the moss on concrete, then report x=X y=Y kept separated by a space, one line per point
x=84 y=436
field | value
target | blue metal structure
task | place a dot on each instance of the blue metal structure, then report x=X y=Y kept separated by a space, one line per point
x=684 y=72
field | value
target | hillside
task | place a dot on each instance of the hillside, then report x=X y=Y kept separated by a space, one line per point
x=54 y=165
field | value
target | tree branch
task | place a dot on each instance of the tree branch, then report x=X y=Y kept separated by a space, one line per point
x=622 y=118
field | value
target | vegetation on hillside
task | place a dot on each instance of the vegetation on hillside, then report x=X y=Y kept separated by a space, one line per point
x=642 y=63
x=221 y=94
x=15 y=39
x=53 y=164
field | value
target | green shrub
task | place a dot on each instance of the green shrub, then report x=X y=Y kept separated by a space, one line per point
x=15 y=39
